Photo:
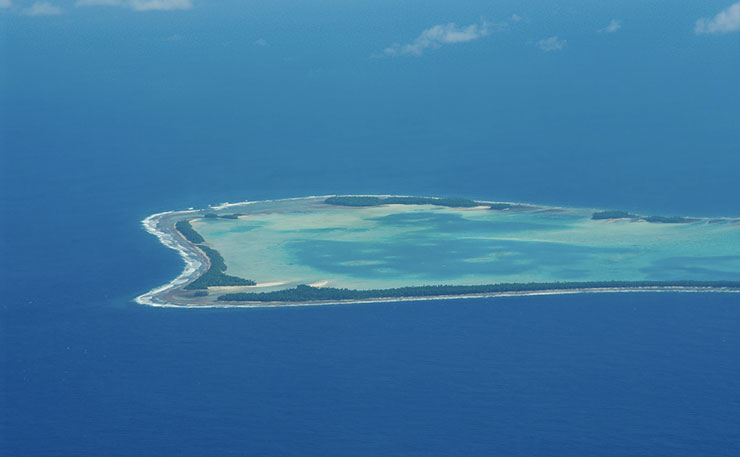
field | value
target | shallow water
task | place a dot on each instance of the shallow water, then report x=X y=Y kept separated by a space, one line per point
x=398 y=245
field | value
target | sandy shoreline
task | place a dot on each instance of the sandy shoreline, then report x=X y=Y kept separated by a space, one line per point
x=162 y=225
x=196 y=262
x=458 y=297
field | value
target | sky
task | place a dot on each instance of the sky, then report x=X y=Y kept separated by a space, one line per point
x=647 y=88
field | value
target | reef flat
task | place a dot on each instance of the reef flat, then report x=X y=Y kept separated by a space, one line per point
x=341 y=249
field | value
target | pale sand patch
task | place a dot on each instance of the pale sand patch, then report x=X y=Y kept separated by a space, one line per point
x=473 y=208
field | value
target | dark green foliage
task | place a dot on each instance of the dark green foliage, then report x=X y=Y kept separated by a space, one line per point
x=652 y=219
x=230 y=216
x=210 y=215
x=215 y=275
x=188 y=232
x=377 y=201
x=354 y=201
x=449 y=202
x=669 y=220
x=613 y=215
x=305 y=293
x=500 y=206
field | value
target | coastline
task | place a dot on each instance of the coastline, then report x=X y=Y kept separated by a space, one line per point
x=453 y=297
x=195 y=260
x=162 y=225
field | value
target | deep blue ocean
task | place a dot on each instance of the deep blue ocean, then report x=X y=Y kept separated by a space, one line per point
x=107 y=118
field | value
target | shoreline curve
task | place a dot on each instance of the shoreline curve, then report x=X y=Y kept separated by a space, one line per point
x=161 y=225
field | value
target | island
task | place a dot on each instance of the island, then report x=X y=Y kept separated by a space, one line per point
x=367 y=248
x=608 y=215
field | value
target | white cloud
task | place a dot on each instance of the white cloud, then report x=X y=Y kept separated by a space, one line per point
x=160 y=5
x=6 y=4
x=551 y=44
x=42 y=9
x=439 y=35
x=613 y=26
x=79 y=3
x=261 y=42
x=725 y=22
x=140 y=5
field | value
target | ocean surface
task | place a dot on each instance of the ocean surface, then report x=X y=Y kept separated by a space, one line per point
x=106 y=118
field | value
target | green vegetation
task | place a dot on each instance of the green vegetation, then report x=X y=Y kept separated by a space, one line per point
x=200 y=293
x=215 y=275
x=670 y=220
x=448 y=202
x=377 y=201
x=652 y=219
x=613 y=215
x=354 y=201
x=304 y=293
x=188 y=232
x=222 y=216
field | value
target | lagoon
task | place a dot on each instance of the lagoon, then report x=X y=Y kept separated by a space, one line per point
x=280 y=244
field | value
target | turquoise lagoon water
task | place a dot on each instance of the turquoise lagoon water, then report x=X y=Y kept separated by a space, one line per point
x=285 y=243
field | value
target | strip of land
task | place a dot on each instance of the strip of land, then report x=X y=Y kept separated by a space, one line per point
x=306 y=293
x=205 y=278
